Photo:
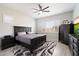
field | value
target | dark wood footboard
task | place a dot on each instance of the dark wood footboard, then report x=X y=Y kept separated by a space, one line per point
x=35 y=43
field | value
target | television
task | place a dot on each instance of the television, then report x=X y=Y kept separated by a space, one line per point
x=76 y=28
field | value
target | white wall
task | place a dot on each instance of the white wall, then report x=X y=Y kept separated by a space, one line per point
x=56 y=21
x=20 y=19
x=76 y=11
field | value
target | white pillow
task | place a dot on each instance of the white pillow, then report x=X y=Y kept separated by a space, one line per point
x=30 y=33
x=21 y=33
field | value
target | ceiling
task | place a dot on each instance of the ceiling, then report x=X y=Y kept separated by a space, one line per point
x=55 y=8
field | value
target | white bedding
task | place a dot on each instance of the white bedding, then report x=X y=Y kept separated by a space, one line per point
x=28 y=37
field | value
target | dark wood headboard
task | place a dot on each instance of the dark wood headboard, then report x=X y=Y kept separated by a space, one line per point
x=21 y=29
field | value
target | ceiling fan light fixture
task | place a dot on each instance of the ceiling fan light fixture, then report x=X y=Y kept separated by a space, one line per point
x=40 y=12
x=41 y=9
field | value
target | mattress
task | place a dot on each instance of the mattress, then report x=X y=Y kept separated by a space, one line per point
x=28 y=37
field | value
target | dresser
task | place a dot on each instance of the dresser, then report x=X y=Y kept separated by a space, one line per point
x=64 y=30
x=74 y=44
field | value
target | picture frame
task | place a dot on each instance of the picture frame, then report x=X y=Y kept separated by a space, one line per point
x=8 y=19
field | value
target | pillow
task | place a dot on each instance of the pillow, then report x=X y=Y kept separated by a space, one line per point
x=21 y=33
x=30 y=33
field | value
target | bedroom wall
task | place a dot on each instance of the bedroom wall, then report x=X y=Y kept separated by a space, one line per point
x=19 y=19
x=76 y=11
x=55 y=20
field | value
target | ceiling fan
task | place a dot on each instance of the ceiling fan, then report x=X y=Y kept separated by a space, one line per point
x=41 y=9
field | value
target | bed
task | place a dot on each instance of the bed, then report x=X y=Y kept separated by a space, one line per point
x=31 y=41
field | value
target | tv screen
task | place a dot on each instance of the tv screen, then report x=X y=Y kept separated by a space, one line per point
x=76 y=29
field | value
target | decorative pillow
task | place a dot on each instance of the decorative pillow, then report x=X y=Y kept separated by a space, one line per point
x=21 y=33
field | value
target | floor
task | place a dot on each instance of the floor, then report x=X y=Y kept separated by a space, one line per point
x=60 y=50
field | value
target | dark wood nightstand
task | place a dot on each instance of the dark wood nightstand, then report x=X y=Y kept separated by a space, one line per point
x=7 y=42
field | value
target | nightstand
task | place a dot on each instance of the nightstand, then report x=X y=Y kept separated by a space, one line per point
x=7 y=42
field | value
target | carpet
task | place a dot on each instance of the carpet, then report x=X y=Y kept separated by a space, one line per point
x=45 y=50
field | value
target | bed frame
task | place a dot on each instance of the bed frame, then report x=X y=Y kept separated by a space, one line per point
x=35 y=43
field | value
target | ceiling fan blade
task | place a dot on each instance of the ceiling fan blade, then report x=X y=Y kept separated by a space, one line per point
x=40 y=6
x=35 y=9
x=45 y=7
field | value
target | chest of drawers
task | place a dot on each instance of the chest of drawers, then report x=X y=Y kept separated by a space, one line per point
x=74 y=45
